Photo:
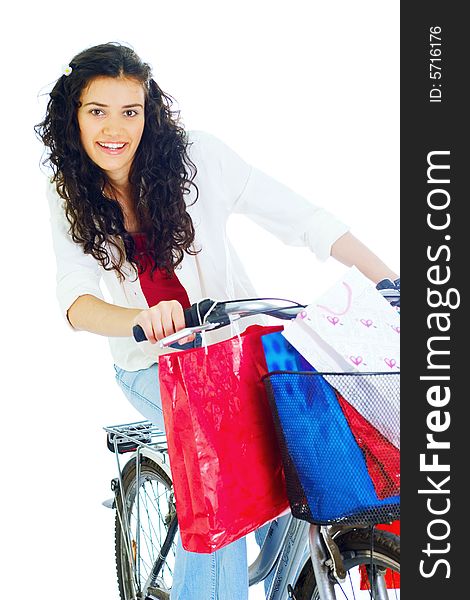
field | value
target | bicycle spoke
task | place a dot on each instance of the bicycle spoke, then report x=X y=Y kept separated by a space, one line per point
x=351 y=588
x=161 y=519
x=147 y=512
x=149 y=523
x=157 y=498
x=149 y=546
x=144 y=505
x=148 y=535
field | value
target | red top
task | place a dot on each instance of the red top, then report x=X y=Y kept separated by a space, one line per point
x=158 y=286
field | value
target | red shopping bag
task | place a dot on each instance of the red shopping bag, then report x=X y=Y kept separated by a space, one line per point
x=381 y=456
x=225 y=462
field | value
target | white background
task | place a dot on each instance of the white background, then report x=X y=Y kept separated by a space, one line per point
x=308 y=91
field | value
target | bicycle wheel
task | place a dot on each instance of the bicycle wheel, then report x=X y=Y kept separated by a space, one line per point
x=139 y=540
x=365 y=576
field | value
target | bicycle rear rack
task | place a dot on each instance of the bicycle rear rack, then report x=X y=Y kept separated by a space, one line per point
x=128 y=437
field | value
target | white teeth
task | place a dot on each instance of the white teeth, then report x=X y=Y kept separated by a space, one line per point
x=112 y=146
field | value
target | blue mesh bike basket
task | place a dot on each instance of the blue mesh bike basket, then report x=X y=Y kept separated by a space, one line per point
x=326 y=471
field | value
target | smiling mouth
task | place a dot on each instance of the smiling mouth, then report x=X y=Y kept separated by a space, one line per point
x=112 y=147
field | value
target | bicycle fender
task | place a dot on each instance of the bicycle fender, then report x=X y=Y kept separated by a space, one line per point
x=156 y=456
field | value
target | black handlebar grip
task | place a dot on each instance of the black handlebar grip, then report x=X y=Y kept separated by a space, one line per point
x=199 y=309
x=191 y=318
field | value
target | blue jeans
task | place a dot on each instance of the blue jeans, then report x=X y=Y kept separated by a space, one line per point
x=222 y=575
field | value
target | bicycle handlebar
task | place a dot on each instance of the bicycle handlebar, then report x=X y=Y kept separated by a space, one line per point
x=209 y=314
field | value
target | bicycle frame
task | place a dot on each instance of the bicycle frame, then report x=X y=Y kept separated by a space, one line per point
x=270 y=549
x=292 y=556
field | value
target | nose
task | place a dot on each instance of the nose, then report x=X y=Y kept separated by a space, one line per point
x=112 y=127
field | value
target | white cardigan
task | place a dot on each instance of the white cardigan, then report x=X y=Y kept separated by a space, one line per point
x=226 y=185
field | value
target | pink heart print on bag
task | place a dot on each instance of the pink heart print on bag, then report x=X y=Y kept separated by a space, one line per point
x=356 y=360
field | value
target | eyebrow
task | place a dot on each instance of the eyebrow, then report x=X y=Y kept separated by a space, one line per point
x=106 y=105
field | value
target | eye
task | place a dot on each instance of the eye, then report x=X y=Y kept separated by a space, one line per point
x=132 y=111
x=95 y=111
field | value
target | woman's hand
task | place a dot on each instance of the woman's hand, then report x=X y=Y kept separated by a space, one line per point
x=161 y=320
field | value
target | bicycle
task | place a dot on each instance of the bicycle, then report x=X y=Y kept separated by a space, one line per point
x=305 y=560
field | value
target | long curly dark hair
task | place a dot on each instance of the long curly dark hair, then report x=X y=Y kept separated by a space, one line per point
x=161 y=173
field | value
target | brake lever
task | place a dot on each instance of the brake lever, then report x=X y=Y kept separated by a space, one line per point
x=182 y=333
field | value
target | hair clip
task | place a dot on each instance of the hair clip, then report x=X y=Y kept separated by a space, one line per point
x=67 y=70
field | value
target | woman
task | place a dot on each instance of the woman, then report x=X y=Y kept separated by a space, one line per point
x=141 y=203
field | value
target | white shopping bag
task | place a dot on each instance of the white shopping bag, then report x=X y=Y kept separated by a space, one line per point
x=351 y=327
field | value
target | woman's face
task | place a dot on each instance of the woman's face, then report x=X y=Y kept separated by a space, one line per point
x=111 y=120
